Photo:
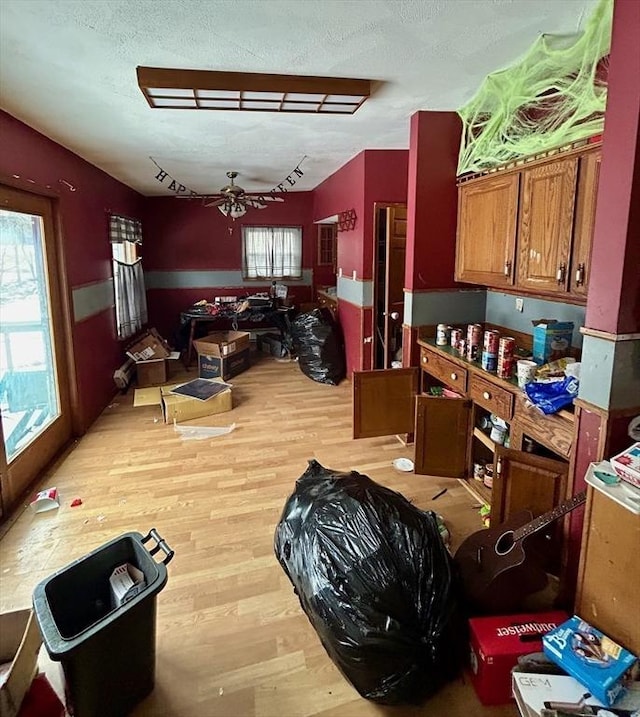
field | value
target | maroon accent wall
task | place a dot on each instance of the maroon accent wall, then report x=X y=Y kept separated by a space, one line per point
x=372 y=176
x=40 y=164
x=434 y=145
x=184 y=235
x=614 y=283
x=341 y=191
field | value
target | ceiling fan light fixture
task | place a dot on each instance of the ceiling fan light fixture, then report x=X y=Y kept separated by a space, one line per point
x=166 y=88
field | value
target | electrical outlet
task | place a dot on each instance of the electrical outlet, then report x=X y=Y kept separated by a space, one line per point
x=520 y=305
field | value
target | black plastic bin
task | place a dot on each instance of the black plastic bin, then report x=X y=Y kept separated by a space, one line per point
x=108 y=654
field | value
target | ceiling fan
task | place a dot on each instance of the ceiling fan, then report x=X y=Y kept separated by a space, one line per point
x=233 y=201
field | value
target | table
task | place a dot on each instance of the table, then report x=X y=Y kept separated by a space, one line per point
x=265 y=317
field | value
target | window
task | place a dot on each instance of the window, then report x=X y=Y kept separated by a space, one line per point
x=327 y=244
x=128 y=279
x=272 y=252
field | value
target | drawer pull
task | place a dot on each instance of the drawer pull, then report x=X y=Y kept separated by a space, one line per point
x=486 y=395
x=454 y=376
x=425 y=359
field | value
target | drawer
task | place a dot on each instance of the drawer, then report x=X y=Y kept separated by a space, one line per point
x=444 y=370
x=493 y=398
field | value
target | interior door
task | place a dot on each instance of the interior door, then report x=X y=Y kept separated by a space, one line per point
x=34 y=375
x=388 y=272
x=384 y=402
x=442 y=431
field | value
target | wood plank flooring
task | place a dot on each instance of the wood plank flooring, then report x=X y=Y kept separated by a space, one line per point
x=232 y=639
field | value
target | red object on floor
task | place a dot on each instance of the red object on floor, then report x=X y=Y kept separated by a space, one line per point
x=41 y=700
x=496 y=644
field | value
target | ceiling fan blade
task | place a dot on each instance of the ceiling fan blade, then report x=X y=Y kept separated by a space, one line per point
x=254 y=203
x=215 y=202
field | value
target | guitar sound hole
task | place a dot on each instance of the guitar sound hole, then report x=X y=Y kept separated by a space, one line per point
x=505 y=543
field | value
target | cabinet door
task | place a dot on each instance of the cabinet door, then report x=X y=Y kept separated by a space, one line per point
x=384 y=402
x=487 y=221
x=442 y=429
x=526 y=482
x=546 y=226
x=588 y=176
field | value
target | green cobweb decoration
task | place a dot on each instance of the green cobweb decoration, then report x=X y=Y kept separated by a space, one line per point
x=554 y=96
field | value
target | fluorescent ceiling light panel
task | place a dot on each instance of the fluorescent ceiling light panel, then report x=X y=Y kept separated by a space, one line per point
x=209 y=90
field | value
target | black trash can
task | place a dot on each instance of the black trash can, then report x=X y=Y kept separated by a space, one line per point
x=107 y=653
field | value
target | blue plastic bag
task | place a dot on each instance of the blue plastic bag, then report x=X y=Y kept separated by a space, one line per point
x=551 y=396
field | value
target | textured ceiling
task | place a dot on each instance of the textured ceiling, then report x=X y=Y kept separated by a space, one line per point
x=67 y=68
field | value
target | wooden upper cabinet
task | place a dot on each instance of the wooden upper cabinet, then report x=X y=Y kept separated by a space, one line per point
x=487 y=225
x=588 y=176
x=546 y=225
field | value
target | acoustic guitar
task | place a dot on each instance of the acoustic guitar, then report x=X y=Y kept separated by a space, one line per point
x=499 y=567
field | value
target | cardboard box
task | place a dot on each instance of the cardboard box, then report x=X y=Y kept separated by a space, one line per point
x=497 y=642
x=627 y=464
x=534 y=693
x=551 y=339
x=223 y=367
x=149 y=346
x=156 y=371
x=223 y=343
x=182 y=408
x=594 y=659
x=19 y=646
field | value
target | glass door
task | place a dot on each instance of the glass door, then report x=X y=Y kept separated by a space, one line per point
x=34 y=383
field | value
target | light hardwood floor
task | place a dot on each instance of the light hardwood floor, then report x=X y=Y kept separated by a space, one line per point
x=232 y=639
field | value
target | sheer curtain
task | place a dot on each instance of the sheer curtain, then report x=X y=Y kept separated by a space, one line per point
x=128 y=277
x=272 y=252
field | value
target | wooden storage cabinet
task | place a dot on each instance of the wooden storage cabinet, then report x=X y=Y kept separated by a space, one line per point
x=444 y=370
x=546 y=226
x=495 y=399
x=487 y=226
x=585 y=216
x=530 y=228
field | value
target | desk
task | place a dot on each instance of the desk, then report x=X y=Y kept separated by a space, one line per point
x=251 y=319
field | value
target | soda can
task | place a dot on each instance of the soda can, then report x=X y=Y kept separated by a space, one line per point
x=505 y=367
x=474 y=334
x=461 y=347
x=456 y=335
x=507 y=347
x=491 y=341
x=442 y=335
x=489 y=361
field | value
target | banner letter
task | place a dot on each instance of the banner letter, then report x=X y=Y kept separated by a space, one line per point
x=173 y=186
x=161 y=176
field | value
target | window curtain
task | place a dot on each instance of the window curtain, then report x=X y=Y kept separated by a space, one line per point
x=128 y=277
x=272 y=252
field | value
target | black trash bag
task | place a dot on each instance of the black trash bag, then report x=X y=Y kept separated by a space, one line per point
x=375 y=580
x=318 y=344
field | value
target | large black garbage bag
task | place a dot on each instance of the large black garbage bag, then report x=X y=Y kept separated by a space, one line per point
x=317 y=341
x=375 y=580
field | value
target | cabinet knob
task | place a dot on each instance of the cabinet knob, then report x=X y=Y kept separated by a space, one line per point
x=580 y=275
x=486 y=395
x=454 y=376
x=507 y=268
x=425 y=359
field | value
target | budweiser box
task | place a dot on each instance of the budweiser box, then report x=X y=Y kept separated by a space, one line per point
x=594 y=659
x=495 y=645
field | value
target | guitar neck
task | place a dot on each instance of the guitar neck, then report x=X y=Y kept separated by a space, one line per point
x=543 y=520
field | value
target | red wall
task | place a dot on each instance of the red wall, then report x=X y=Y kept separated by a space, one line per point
x=433 y=200
x=182 y=235
x=371 y=176
x=41 y=164
x=614 y=280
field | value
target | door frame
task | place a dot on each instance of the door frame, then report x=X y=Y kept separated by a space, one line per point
x=376 y=289
x=15 y=197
